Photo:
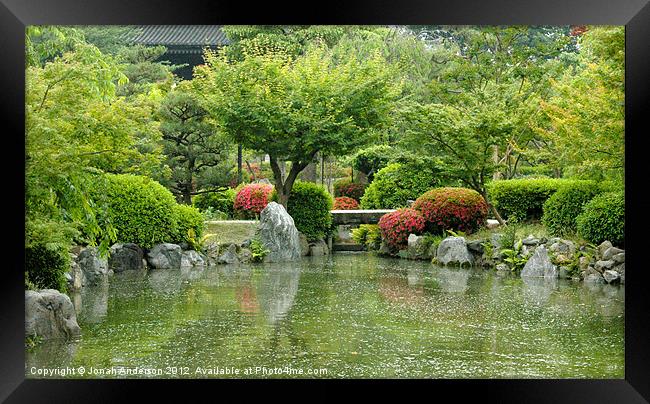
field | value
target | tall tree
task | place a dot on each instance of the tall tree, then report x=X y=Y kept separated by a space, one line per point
x=192 y=143
x=292 y=109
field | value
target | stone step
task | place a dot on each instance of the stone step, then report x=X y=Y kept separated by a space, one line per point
x=347 y=247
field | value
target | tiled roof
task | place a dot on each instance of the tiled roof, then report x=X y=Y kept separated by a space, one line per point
x=181 y=35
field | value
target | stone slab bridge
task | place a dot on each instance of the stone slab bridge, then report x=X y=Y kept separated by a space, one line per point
x=342 y=217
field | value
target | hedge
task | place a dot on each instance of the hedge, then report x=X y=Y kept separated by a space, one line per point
x=141 y=210
x=46 y=265
x=603 y=218
x=396 y=184
x=452 y=208
x=345 y=203
x=251 y=199
x=523 y=199
x=188 y=218
x=347 y=188
x=309 y=205
x=563 y=207
x=396 y=226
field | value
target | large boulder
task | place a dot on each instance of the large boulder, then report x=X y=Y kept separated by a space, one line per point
x=50 y=314
x=611 y=276
x=124 y=257
x=94 y=267
x=611 y=252
x=540 y=265
x=278 y=234
x=417 y=248
x=453 y=251
x=165 y=256
x=562 y=247
x=229 y=256
x=191 y=258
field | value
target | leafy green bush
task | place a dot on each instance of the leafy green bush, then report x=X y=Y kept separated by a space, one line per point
x=141 y=210
x=309 y=205
x=46 y=265
x=368 y=235
x=258 y=250
x=223 y=201
x=563 y=207
x=397 y=183
x=372 y=159
x=523 y=199
x=190 y=224
x=603 y=218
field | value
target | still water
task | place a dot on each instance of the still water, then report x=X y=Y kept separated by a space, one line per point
x=349 y=315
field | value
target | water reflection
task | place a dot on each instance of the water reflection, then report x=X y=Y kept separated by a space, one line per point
x=356 y=315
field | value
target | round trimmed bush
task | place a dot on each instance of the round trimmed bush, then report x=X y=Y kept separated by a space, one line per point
x=46 y=265
x=349 y=189
x=309 y=205
x=564 y=206
x=452 y=208
x=603 y=218
x=141 y=210
x=188 y=218
x=345 y=203
x=223 y=201
x=396 y=226
x=396 y=184
x=252 y=199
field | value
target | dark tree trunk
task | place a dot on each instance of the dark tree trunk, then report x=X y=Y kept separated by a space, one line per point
x=491 y=207
x=283 y=185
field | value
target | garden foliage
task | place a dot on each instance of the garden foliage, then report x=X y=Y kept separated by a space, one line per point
x=563 y=207
x=396 y=184
x=345 y=203
x=603 y=218
x=452 y=209
x=252 y=199
x=222 y=201
x=309 y=205
x=396 y=226
x=190 y=224
x=353 y=190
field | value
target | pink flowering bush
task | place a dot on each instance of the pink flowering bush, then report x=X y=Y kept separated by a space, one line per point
x=345 y=203
x=396 y=226
x=252 y=199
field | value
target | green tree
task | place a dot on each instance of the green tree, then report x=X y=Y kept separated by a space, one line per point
x=192 y=143
x=292 y=109
x=583 y=125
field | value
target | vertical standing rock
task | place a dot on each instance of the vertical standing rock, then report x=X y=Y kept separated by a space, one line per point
x=94 y=267
x=124 y=257
x=50 y=314
x=540 y=265
x=278 y=234
x=453 y=251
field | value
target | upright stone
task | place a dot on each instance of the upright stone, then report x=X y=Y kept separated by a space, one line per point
x=127 y=256
x=278 y=234
x=165 y=256
x=540 y=265
x=50 y=314
x=93 y=266
x=453 y=250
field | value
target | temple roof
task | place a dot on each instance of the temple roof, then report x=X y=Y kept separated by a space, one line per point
x=181 y=35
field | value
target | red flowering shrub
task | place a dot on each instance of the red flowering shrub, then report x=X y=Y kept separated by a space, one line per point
x=345 y=203
x=396 y=226
x=251 y=199
x=350 y=189
x=452 y=209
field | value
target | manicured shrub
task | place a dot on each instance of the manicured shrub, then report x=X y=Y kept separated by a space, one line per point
x=603 y=218
x=46 y=265
x=252 y=199
x=372 y=159
x=452 y=209
x=396 y=184
x=349 y=189
x=223 y=201
x=141 y=210
x=523 y=199
x=396 y=226
x=564 y=206
x=190 y=224
x=309 y=205
x=345 y=203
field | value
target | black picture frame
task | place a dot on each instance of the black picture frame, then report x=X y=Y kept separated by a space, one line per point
x=15 y=15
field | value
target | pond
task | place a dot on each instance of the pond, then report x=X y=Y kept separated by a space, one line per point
x=348 y=315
